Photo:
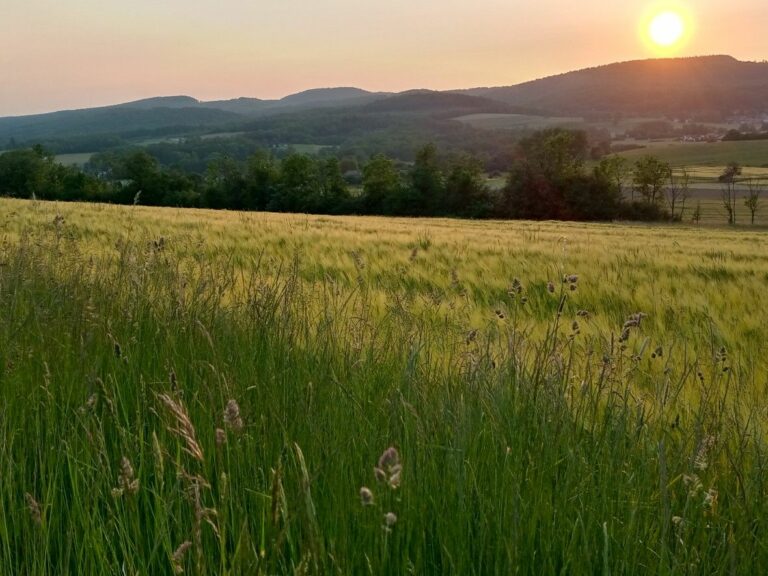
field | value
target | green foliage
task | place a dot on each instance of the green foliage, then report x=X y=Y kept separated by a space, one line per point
x=555 y=153
x=466 y=193
x=381 y=186
x=649 y=177
x=614 y=169
x=547 y=181
x=34 y=173
x=427 y=184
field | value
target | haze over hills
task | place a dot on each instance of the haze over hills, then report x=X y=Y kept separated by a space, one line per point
x=694 y=88
x=717 y=86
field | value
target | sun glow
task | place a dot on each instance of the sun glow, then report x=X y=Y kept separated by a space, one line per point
x=665 y=29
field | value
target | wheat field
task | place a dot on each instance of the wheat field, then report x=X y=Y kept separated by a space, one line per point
x=208 y=392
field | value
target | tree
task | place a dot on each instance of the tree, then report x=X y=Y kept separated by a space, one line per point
x=649 y=176
x=728 y=180
x=555 y=153
x=614 y=169
x=332 y=191
x=677 y=192
x=261 y=180
x=225 y=185
x=298 y=190
x=755 y=189
x=531 y=195
x=696 y=217
x=26 y=173
x=466 y=194
x=427 y=184
x=381 y=186
x=590 y=197
x=143 y=172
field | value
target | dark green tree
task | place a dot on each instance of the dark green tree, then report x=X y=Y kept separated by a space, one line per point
x=427 y=184
x=26 y=173
x=381 y=186
x=555 y=153
x=649 y=176
x=466 y=193
x=261 y=180
x=332 y=190
x=298 y=189
x=225 y=185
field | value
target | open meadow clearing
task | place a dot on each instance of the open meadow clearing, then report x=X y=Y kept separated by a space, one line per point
x=216 y=392
x=705 y=154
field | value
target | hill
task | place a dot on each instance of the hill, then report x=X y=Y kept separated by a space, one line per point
x=707 y=87
x=180 y=113
x=118 y=120
x=437 y=103
x=319 y=96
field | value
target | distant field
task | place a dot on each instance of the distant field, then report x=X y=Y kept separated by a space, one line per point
x=221 y=135
x=713 y=212
x=310 y=149
x=517 y=121
x=705 y=154
x=74 y=159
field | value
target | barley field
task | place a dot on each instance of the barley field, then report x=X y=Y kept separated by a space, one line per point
x=205 y=392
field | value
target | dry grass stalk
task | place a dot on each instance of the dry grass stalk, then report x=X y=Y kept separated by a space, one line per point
x=232 y=417
x=34 y=508
x=177 y=559
x=184 y=428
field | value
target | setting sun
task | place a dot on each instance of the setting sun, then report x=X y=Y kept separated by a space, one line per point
x=666 y=29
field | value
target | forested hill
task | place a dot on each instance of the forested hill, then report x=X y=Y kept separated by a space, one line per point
x=175 y=113
x=705 y=87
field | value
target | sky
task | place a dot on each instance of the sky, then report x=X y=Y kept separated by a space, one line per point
x=57 y=54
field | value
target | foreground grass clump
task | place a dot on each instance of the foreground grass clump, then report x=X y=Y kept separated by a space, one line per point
x=173 y=402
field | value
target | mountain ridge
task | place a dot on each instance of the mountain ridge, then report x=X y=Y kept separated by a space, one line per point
x=700 y=87
x=691 y=86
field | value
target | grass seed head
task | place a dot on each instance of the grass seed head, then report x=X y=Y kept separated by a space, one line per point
x=127 y=483
x=389 y=469
x=389 y=458
x=184 y=428
x=232 y=417
x=34 y=508
x=177 y=560
x=366 y=496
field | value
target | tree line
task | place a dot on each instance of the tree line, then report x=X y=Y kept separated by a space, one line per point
x=547 y=178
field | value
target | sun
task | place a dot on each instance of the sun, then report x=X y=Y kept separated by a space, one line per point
x=666 y=29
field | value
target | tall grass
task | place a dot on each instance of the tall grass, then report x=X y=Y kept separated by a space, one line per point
x=165 y=411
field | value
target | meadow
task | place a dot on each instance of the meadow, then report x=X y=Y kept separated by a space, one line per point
x=79 y=159
x=489 y=121
x=705 y=154
x=212 y=392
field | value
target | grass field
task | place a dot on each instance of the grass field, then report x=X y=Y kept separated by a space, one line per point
x=518 y=121
x=211 y=392
x=701 y=154
x=79 y=159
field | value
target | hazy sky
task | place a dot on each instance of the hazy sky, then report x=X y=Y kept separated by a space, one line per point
x=58 y=54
